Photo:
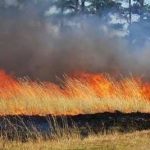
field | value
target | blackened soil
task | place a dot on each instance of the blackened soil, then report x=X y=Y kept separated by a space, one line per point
x=24 y=127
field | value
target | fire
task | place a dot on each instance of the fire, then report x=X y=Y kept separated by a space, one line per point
x=81 y=93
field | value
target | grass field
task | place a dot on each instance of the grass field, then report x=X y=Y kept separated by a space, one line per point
x=116 y=141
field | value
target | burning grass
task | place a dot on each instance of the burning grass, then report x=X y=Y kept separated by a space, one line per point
x=82 y=93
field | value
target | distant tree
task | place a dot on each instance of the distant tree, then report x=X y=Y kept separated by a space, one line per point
x=141 y=2
x=99 y=6
x=105 y=9
x=139 y=31
x=130 y=12
x=76 y=6
x=83 y=6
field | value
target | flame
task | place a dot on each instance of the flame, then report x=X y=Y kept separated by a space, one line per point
x=81 y=93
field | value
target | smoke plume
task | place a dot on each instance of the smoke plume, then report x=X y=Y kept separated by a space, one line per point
x=41 y=49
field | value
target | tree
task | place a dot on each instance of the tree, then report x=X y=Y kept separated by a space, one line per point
x=76 y=5
x=130 y=12
x=83 y=6
x=100 y=6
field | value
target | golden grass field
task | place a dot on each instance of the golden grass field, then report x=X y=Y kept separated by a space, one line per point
x=116 y=141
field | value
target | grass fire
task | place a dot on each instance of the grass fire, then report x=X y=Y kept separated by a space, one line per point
x=80 y=93
x=74 y=74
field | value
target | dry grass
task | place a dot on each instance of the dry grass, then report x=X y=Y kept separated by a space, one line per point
x=79 y=96
x=132 y=141
x=31 y=105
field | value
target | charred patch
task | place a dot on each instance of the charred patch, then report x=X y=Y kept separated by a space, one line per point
x=25 y=127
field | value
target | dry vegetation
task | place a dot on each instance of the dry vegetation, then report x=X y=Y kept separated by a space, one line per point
x=72 y=139
x=116 y=141
x=82 y=94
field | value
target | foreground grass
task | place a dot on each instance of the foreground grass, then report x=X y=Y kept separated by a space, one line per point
x=130 y=141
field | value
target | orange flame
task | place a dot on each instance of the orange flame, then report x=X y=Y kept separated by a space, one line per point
x=81 y=93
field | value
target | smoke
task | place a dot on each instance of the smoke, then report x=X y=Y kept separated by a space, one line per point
x=43 y=49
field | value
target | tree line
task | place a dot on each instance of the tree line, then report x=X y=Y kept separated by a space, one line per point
x=80 y=6
x=125 y=9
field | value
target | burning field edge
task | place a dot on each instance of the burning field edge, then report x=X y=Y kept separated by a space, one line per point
x=85 y=104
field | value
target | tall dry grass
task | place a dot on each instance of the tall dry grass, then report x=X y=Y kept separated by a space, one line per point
x=76 y=97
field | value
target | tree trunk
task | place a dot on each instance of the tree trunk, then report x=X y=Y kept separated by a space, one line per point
x=142 y=9
x=142 y=3
x=76 y=5
x=97 y=8
x=82 y=6
x=130 y=12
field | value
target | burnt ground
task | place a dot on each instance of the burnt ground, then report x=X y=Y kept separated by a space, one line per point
x=23 y=126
